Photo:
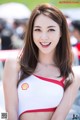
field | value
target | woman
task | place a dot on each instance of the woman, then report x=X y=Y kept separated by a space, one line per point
x=44 y=74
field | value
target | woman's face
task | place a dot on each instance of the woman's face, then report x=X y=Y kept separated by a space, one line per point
x=46 y=34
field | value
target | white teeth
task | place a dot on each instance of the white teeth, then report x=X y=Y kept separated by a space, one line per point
x=45 y=43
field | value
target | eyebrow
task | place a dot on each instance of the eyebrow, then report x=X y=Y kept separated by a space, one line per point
x=37 y=26
x=51 y=26
x=47 y=27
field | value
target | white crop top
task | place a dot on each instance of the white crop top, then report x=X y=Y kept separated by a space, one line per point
x=39 y=94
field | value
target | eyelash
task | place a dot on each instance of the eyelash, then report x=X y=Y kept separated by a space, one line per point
x=51 y=30
x=37 y=30
x=48 y=30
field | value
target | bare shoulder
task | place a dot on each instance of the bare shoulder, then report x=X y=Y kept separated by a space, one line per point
x=11 y=70
x=12 y=64
x=76 y=71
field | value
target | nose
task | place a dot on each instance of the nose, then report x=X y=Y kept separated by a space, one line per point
x=44 y=36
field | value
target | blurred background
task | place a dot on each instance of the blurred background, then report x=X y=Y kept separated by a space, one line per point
x=14 y=17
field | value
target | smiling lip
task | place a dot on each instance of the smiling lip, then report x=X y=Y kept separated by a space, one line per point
x=45 y=44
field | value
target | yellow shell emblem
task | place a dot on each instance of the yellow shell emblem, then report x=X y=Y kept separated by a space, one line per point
x=24 y=86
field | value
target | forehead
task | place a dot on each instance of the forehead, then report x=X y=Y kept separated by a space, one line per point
x=43 y=20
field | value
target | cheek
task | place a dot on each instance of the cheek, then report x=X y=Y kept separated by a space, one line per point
x=35 y=37
x=55 y=36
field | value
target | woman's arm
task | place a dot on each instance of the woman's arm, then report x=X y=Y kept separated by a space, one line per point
x=10 y=79
x=68 y=99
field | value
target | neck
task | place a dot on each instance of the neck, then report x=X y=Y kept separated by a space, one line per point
x=46 y=59
x=46 y=65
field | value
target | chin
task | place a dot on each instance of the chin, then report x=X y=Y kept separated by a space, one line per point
x=46 y=52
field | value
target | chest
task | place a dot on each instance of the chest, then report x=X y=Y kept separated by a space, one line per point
x=43 y=92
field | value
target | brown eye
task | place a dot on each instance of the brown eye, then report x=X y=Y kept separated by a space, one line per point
x=51 y=30
x=37 y=30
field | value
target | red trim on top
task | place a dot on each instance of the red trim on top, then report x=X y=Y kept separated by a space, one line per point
x=63 y=79
x=51 y=80
x=39 y=110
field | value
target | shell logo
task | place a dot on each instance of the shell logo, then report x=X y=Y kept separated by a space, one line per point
x=24 y=86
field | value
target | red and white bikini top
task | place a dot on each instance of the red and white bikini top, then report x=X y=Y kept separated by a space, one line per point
x=39 y=94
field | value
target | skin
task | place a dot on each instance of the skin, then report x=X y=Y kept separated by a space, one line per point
x=43 y=35
x=69 y=97
x=10 y=90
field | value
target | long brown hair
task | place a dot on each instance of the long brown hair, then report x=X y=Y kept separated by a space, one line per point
x=63 y=54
